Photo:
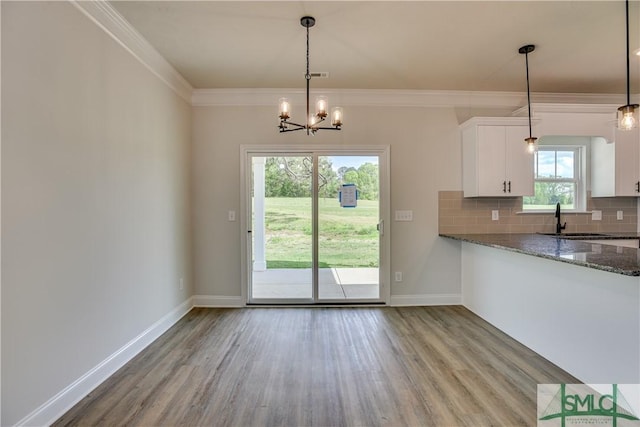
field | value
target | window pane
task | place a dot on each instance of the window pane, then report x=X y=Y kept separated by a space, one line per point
x=546 y=164
x=547 y=194
x=565 y=167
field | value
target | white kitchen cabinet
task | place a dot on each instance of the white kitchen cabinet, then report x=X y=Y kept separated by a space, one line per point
x=615 y=168
x=495 y=161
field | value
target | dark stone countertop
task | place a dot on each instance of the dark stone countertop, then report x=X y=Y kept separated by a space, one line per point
x=615 y=259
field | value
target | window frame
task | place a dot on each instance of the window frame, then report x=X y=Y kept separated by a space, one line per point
x=578 y=180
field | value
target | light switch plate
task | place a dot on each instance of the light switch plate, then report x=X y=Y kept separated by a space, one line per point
x=404 y=216
x=619 y=215
x=495 y=215
x=232 y=215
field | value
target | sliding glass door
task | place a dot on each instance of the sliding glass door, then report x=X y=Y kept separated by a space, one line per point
x=348 y=236
x=281 y=224
x=314 y=227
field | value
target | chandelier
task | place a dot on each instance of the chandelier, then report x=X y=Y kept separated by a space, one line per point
x=314 y=121
x=627 y=117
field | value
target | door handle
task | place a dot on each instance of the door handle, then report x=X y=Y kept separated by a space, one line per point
x=380 y=227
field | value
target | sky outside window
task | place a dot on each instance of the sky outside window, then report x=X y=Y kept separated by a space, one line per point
x=555 y=164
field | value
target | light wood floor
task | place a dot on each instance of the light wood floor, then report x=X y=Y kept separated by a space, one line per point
x=409 y=366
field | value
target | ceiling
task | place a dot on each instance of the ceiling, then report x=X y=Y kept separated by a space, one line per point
x=414 y=45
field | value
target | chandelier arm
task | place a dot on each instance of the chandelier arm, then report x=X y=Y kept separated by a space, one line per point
x=293 y=124
x=291 y=130
x=326 y=128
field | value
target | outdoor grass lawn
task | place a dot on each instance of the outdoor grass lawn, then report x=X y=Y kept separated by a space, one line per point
x=348 y=237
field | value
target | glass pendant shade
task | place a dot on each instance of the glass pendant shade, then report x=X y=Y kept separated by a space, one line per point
x=628 y=117
x=531 y=144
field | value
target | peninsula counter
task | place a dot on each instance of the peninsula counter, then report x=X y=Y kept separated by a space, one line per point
x=575 y=303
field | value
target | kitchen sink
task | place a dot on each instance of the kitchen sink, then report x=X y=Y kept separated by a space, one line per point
x=575 y=234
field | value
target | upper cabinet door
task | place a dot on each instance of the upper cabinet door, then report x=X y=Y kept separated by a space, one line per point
x=519 y=162
x=627 y=163
x=495 y=161
x=615 y=168
x=492 y=157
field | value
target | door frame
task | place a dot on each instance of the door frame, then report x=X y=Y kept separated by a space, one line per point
x=382 y=151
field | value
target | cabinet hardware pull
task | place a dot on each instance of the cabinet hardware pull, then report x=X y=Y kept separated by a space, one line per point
x=509 y=186
x=504 y=186
x=638 y=187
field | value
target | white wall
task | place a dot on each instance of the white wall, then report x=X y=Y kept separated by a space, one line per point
x=425 y=158
x=95 y=200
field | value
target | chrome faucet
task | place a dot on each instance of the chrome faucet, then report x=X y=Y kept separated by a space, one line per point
x=559 y=227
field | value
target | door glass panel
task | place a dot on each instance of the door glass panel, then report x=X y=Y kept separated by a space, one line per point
x=348 y=238
x=281 y=242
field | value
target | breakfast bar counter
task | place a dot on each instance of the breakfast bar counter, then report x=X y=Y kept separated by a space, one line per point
x=576 y=303
x=601 y=256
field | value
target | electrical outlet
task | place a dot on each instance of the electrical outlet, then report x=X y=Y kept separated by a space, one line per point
x=619 y=215
x=495 y=215
x=181 y=283
x=596 y=215
x=232 y=215
x=398 y=276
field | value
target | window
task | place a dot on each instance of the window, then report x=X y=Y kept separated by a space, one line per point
x=558 y=179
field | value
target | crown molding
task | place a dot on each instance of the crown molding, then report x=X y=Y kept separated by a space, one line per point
x=542 y=108
x=106 y=17
x=114 y=24
x=392 y=98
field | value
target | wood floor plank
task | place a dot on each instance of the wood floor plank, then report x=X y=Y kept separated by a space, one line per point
x=381 y=366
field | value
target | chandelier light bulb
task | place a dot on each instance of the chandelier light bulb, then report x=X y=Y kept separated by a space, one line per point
x=336 y=117
x=321 y=107
x=285 y=109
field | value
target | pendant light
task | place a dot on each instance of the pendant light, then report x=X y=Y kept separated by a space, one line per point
x=627 y=114
x=313 y=120
x=531 y=140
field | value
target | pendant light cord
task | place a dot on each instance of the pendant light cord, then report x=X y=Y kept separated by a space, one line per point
x=308 y=78
x=526 y=58
x=628 y=84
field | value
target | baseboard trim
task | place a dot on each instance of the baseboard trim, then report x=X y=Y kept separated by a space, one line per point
x=436 y=299
x=59 y=404
x=217 y=301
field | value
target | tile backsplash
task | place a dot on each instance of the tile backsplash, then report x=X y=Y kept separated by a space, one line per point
x=457 y=215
